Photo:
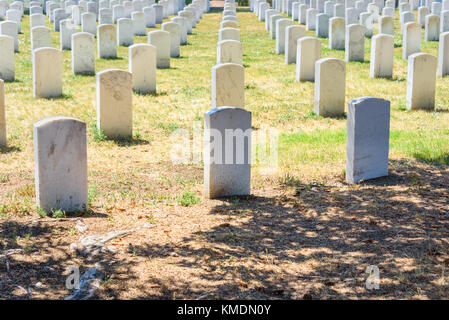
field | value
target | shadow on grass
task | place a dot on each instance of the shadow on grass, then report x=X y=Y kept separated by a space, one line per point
x=111 y=58
x=152 y=94
x=246 y=9
x=64 y=96
x=13 y=81
x=128 y=142
x=9 y=149
x=320 y=239
x=35 y=251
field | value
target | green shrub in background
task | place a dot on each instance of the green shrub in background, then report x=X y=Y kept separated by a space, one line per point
x=243 y=3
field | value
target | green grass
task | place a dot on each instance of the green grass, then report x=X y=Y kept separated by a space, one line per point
x=188 y=198
x=310 y=147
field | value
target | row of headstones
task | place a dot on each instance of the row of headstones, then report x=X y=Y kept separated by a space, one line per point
x=67 y=22
x=228 y=75
x=47 y=61
x=329 y=73
x=114 y=108
x=229 y=47
x=60 y=153
x=317 y=15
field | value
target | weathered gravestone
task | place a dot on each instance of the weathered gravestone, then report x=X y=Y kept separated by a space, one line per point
x=311 y=18
x=228 y=85
x=307 y=53
x=158 y=9
x=432 y=28
x=150 y=17
x=227 y=152
x=411 y=40
x=58 y=16
x=139 y=23
x=281 y=25
x=7 y=69
x=47 y=73
x=421 y=78
x=106 y=41
x=292 y=35
x=142 y=65
x=89 y=23
x=40 y=37
x=382 y=53
x=66 y=30
x=229 y=24
x=443 y=55
x=444 y=21
x=386 y=25
x=118 y=12
x=330 y=87
x=229 y=51
x=37 y=20
x=60 y=161
x=273 y=19
x=368 y=131
x=174 y=30
x=83 y=53
x=125 y=34
x=161 y=40
x=9 y=28
x=229 y=34
x=105 y=16
x=114 y=103
x=322 y=25
x=355 y=43
x=337 y=33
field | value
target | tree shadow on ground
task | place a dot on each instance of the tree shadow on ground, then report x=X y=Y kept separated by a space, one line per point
x=318 y=240
x=9 y=149
x=128 y=142
x=39 y=253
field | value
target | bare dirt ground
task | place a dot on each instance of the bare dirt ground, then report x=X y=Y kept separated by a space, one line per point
x=286 y=241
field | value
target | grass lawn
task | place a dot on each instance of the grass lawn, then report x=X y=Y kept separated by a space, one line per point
x=303 y=232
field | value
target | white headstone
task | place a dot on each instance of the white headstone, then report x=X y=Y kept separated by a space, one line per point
x=421 y=78
x=125 y=34
x=60 y=161
x=47 y=73
x=443 y=55
x=281 y=25
x=292 y=35
x=9 y=28
x=106 y=41
x=161 y=40
x=40 y=38
x=355 y=43
x=227 y=165
x=368 y=132
x=308 y=52
x=411 y=40
x=114 y=103
x=337 y=33
x=142 y=65
x=83 y=53
x=174 y=30
x=229 y=51
x=139 y=23
x=330 y=87
x=382 y=53
x=89 y=23
x=228 y=85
